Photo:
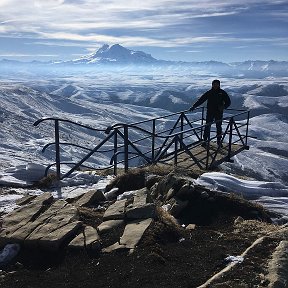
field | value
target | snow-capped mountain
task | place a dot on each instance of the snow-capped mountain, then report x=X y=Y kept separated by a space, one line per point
x=118 y=59
x=118 y=55
x=115 y=54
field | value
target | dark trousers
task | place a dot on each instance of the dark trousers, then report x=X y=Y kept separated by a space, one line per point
x=210 y=117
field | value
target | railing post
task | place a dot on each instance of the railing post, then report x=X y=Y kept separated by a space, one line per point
x=176 y=150
x=246 y=138
x=202 y=123
x=57 y=149
x=207 y=151
x=153 y=140
x=182 y=129
x=115 y=151
x=230 y=138
x=126 y=148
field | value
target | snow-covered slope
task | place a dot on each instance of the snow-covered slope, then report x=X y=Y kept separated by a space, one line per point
x=101 y=99
x=91 y=99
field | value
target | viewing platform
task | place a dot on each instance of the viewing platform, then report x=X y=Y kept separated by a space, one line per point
x=174 y=139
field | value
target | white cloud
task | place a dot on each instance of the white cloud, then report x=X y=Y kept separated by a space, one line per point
x=133 y=41
x=47 y=3
x=20 y=55
x=162 y=23
x=57 y=14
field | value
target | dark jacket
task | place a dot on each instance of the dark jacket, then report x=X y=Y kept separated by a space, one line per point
x=217 y=101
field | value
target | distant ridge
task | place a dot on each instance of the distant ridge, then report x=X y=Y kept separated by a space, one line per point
x=117 y=55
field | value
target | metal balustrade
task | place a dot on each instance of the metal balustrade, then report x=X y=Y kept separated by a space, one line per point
x=157 y=140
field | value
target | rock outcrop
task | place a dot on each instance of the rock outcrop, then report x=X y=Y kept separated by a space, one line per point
x=46 y=223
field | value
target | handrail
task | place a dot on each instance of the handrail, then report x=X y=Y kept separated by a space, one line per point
x=36 y=123
x=174 y=139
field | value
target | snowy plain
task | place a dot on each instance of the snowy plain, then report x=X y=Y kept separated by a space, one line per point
x=101 y=98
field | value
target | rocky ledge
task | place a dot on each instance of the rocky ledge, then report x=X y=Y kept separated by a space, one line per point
x=160 y=213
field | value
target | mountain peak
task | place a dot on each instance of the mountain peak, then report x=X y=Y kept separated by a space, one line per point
x=102 y=49
x=115 y=51
x=116 y=54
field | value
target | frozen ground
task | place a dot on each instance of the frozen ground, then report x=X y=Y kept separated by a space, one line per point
x=103 y=99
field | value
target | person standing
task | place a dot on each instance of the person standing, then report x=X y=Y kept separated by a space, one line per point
x=217 y=100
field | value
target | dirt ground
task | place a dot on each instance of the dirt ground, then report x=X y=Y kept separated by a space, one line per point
x=165 y=258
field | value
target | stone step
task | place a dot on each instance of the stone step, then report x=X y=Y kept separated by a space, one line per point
x=91 y=197
x=28 y=212
x=140 y=209
x=37 y=225
x=55 y=239
x=115 y=211
x=87 y=239
x=49 y=224
x=23 y=216
x=22 y=232
x=132 y=235
x=109 y=224
x=65 y=215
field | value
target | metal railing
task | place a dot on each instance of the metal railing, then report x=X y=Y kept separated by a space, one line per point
x=151 y=141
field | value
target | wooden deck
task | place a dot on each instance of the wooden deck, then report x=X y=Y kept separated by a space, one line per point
x=204 y=158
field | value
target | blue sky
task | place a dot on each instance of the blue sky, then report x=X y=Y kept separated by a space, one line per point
x=185 y=30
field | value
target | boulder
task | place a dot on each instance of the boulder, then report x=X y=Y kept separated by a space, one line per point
x=28 y=212
x=115 y=211
x=54 y=240
x=24 y=231
x=39 y=225
x=108 y=225
x=22 y=217
x=57 y=219
x=151 y=180
x=133 y=233
x=140 y=209
x=166 y=183
x=91 y=197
